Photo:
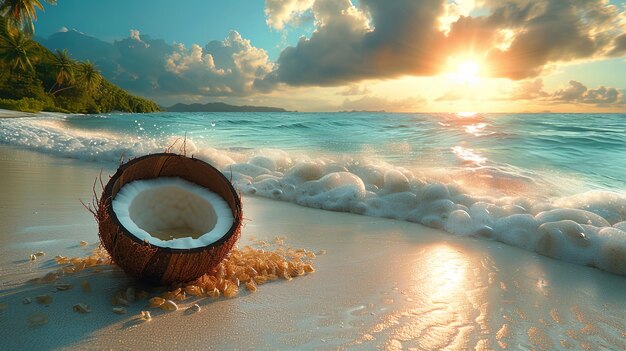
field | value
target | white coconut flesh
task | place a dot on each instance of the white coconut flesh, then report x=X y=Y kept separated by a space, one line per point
x=172 y=212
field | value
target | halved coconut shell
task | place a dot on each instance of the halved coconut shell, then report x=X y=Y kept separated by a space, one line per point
x=165 y=265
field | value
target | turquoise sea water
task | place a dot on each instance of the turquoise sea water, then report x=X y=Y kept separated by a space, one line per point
x=587 y=147
x=486 y=175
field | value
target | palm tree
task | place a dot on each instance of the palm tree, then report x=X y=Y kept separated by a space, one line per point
x=65 y=71
x=15 y=48
x=20 y=14
x=89 y=77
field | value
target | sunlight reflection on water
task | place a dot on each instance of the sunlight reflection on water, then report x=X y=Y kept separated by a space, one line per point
x=468 y=155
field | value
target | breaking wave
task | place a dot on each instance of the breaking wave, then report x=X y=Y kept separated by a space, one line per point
x=472 y=196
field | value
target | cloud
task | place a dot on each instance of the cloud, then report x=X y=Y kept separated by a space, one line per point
x=619 y=46
x=374 y=103
x=553 y=31
x=576 y=92
x=227 y=67
x=136 y=36
x=355 y=89
x=453 y=95
x=279 y=13
x=220 y=68
x=381 y=39
x=529 y=90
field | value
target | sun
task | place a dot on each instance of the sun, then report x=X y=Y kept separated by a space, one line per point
x=467 y=72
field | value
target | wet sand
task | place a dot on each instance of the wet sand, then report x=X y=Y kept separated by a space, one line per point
x=381 y=284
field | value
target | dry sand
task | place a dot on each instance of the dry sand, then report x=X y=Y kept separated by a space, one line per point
x=381 y=284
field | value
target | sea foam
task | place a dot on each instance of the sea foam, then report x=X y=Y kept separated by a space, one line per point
x=588 y=228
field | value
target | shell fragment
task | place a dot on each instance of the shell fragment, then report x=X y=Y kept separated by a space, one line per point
x=81 y=308
x=169 y=305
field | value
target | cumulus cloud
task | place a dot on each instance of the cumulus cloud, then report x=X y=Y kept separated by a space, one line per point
x=382 y=39
x=136 y=36
x=221 y=67
x=374 y=103
x=183 y=60
x=574 y=93
x=279 y=13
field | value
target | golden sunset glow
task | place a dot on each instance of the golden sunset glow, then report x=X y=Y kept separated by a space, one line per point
x=467 y=72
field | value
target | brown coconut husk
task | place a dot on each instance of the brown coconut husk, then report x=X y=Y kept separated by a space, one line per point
x=158 y=264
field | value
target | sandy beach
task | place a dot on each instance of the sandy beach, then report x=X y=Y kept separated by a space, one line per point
x=313 y=175
x=381 y=284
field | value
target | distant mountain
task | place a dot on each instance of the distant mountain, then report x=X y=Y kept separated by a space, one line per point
x=83 y=47
x=221 y=107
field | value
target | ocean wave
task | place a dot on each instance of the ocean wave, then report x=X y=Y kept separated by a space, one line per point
x=513 y=206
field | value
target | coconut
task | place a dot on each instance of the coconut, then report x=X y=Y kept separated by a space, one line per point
x=168 y=218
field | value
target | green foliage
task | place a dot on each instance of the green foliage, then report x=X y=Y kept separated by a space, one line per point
x=23 y=104
x=20 y=14
x=15 y=49
x=32 y=78
x=89 y=78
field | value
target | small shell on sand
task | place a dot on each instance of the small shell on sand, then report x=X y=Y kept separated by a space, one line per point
x=63 y=287
x=119 y=310
x=39 y=253
x=156 y=301
x=81 y=308
x=43 y=299
x=27 y=300
x=169 y=305
x=32 y=257
x=194 y=308
x=83 y=243
x=145 y=315
x=37 y=319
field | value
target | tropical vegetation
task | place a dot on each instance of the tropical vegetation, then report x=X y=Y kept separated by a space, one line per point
x=33 y=79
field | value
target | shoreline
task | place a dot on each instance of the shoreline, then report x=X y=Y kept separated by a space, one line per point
x=382 y=283
x=20 y=114
x=17 y=114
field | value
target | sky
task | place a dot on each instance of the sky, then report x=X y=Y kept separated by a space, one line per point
x=333 y=55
